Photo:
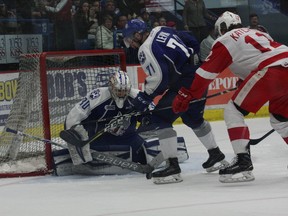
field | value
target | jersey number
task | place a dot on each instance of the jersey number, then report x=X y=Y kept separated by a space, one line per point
x=172 y=43
x=258 y=46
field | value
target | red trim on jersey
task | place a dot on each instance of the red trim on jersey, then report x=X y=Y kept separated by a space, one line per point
x=286 y=140
x=238 y=133
x=218 y=60
x=272 y=60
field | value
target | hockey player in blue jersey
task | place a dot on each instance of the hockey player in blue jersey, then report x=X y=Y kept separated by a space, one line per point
x=84 y=121
x=165 y=55
x=105 y=111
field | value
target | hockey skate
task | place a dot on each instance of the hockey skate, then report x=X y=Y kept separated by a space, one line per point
x=215 y=161
x=170 y=174
x=240 y=170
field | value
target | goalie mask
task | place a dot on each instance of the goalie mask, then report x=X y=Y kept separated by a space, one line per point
x=119 y=87
x=225 y=21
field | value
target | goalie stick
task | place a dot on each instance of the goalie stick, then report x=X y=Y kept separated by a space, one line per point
x=20 y=133
x=106 y=158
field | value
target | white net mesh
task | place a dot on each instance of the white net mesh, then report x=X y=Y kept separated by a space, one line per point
x=68 y=78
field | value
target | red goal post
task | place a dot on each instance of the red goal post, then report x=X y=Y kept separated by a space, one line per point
x=48 y=86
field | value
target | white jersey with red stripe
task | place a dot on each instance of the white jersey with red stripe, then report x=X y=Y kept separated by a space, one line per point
x=243 y=50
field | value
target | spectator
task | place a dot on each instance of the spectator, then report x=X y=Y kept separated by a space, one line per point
x=155 y=24
x=81 y=26
x=156 y=15
x=127 y=8
x=104 y=34
x=194 y=15
x=59 y=12
x=111 y=10
x=93 y=18
x=12 y=26
x=254 y=23
x=75 y=6
x=118 y=36
x=39 y=9
x=121 y=22
x=162 y=21
x=3 y=15
x=145 y=16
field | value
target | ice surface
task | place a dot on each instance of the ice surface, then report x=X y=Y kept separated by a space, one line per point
x=200 y=194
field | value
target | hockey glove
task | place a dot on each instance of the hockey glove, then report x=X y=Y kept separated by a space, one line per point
x=75 y=135
x=182 y=100
x=141 y=102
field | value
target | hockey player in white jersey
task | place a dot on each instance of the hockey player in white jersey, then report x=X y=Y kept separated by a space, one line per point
x=165 y=55
x=262 y=64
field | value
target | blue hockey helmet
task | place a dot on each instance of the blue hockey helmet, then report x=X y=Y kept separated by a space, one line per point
x=133 y=26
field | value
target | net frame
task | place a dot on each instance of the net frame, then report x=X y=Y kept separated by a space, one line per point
x=48 y=168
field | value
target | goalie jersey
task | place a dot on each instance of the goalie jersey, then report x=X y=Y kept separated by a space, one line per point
x=97 y=105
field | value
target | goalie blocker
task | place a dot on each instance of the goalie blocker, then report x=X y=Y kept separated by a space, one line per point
x=63 y=164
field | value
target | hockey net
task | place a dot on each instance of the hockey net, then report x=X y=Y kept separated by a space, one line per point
x=48 y=86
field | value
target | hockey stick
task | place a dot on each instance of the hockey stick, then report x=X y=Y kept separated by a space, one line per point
x=105 y=158
x=256 y=141
x=20 y=133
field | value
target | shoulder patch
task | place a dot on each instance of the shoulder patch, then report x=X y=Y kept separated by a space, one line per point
x=142 y=57
x=94 y=94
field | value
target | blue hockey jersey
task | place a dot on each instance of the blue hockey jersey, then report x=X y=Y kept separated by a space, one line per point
x=163 y=56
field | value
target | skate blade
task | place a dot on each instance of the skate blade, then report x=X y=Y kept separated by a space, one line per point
x=230 y=178
x=168 y=179
x=219 y=165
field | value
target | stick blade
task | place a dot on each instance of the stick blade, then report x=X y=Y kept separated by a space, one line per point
x=256 y=141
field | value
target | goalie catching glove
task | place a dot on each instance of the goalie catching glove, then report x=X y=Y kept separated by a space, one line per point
x=182 y=100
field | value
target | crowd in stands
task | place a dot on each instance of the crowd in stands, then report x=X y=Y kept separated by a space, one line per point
x=77 y=24
x=91 y=24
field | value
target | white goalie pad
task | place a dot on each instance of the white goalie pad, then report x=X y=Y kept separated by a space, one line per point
x=63 y=165
x=79 y=155
x=152 y=149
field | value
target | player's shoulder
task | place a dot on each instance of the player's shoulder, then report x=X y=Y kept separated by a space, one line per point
x=100 y=94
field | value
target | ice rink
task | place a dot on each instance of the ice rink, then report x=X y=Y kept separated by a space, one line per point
x=200 y=194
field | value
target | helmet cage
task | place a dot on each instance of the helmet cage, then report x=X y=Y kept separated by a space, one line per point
x=119 y=87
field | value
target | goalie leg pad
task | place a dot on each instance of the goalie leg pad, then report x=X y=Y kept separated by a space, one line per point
x=79 y=155
x=62 y=162
x=63 y=165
